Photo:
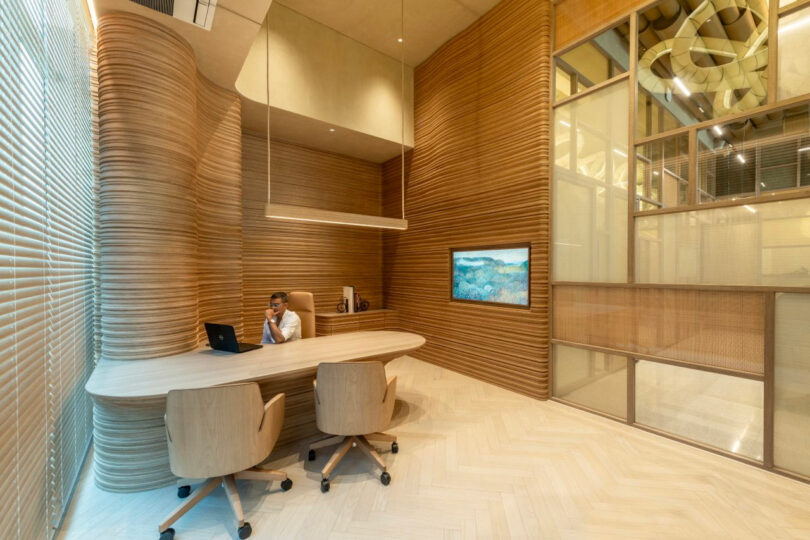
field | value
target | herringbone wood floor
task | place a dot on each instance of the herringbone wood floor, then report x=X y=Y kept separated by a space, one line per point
x=477 y=461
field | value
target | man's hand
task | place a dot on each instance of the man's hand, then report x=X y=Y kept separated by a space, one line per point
x=269 y=313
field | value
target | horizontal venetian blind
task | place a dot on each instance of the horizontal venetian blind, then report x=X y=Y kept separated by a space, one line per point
x=46 y=259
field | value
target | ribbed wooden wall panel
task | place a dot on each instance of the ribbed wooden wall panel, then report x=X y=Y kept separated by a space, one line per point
x=147 y=158
x=219 y=206
x=478 y=176
x=724 y=329
x=575 y=19
x=320 y=259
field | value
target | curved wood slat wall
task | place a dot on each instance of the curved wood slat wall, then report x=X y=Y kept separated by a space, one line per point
x=321 y=259
x=170 y=225
x=478 y=176
x=219 y=206
x=147 y=208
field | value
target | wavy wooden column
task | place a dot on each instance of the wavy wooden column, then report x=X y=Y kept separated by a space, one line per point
x=148 y=159
x=219 y=206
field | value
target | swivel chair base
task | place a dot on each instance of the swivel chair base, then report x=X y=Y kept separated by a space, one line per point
x=360 y=441
x=229 y=482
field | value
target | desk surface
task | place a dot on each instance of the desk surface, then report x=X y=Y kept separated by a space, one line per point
x=203 y=367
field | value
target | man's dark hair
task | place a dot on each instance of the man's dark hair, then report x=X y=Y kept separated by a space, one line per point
x=279 y=295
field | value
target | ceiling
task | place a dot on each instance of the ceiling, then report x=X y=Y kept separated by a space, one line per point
x=377 y=23
x=219 y=52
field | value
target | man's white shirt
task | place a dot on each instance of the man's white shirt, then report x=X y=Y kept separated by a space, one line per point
x=290 y=327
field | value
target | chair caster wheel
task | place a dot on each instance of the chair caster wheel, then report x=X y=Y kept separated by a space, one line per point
x=385 y=478
x=394 y=447
x=245 y=530
x=168 y=534
x=311 y=455
x=183 y=491
x=324 y=485
x=286 y=484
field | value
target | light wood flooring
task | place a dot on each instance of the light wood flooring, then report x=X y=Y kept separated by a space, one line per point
x=477 y=461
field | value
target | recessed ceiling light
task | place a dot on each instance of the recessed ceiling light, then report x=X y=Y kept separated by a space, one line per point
x=399 y=40
x=331 y=129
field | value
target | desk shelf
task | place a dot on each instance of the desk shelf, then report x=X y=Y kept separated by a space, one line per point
x=328 y=324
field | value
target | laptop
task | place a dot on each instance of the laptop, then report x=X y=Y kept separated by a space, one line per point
x=223 y=338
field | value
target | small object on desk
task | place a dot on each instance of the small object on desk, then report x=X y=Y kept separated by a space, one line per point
x=348 y=297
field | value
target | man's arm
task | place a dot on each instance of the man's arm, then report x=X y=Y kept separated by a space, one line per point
x=278 y=336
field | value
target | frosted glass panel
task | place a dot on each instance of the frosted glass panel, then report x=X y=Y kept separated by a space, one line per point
x=792 y=391
x=719 y=410
x=762 y=244
x=592 y=379
x=794 y=69
x=590 y=187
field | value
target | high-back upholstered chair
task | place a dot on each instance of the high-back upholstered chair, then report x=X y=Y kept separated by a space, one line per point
x=353 y=403
x=304 y=305
x=221 y=433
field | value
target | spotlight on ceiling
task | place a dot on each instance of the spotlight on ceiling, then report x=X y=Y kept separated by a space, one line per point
x=399 y=40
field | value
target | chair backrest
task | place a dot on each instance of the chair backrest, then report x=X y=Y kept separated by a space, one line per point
x=220 y=430
x=303 y=304
x=351 y=398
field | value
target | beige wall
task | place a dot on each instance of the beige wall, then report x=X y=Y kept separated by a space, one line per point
x=322 y=74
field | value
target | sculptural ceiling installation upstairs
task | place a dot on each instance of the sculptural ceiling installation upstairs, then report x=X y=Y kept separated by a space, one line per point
x=714 y=52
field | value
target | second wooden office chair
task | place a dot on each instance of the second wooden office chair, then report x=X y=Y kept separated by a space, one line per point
x=221 y=433
x=353 y=402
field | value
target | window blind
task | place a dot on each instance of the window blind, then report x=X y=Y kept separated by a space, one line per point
x=47 y=256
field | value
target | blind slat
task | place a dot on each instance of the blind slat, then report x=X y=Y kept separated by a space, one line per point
x=47 y=258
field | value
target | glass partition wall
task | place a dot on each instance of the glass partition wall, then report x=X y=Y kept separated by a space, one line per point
x=681 y=152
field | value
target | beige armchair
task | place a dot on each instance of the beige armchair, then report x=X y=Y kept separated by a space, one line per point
x=303 y=304
x=221 y=433
x=353 y=403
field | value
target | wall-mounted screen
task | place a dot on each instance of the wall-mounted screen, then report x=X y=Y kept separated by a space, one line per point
x=497 y=275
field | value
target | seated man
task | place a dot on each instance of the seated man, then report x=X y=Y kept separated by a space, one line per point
x=280 y=324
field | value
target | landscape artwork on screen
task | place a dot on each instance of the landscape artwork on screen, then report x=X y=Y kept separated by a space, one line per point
x=498 y=275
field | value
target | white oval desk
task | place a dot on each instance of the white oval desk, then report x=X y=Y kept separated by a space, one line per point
x=129 y=397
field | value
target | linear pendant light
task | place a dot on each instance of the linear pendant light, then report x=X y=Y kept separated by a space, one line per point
x=289 y=212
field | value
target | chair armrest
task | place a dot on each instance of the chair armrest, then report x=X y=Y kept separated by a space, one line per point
x=166 y=422
x=390 y=386
x=390 y=398
x=272 y=407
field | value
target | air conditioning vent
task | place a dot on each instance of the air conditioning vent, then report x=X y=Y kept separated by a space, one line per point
x=163 y=6
x=197 y=12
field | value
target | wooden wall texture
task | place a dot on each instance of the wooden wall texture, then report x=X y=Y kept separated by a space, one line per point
x=478 y=175
x=147 y=207
x=219 y=206
x=170 y=195
x=574 y=19
x=321 y=259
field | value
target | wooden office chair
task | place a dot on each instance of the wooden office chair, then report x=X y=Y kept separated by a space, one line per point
x=303 y=303
x=221 y=433
x=353 y=402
